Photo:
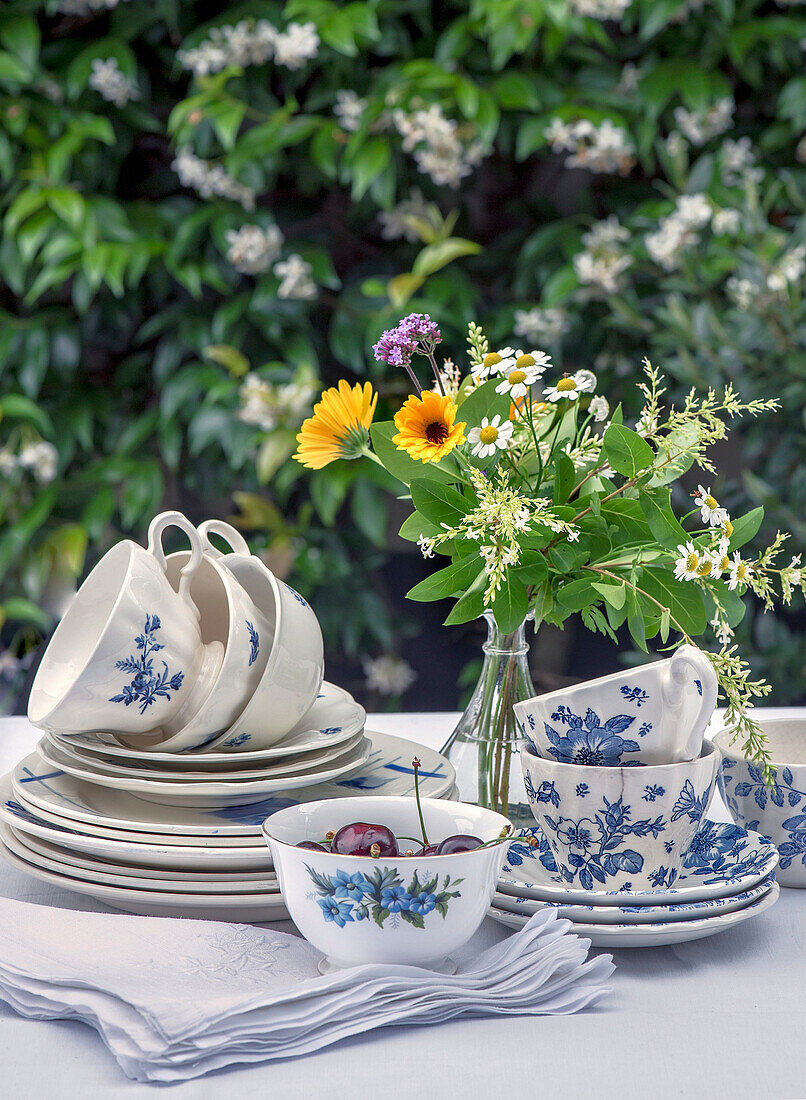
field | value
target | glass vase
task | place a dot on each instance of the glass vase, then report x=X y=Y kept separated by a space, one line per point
x=484 y=747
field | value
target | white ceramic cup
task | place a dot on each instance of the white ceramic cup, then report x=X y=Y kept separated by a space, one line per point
x=655 y=713
x=128 y=652
x=294 y=661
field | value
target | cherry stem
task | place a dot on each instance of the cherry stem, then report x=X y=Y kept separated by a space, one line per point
x=416 y=765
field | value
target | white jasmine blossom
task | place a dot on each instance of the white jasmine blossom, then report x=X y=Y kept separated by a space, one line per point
x=536 y=324
x=248 y=42
x=571 y=386
x=726 y=222
x=740 y=572
x=598 y=148
x=426 y=546
x=298 y=44
x=599 y=408
x=792 y=577
x=678 y=230
x=600 y=9
x=603 y=262
x=701 y=126
x=111 y=84
x=41 y=459
x=436 y=145
x=210 y=180
x=451 y=378
x=399 y=222
x=294 y=274
x=788 y=271
x=490 y=436
x=675 y=144
x=349 y=109
x=388 y=675
x=253 y=249
x=8 y=462
x=522 y=374
x=630 y=79
x=267 y=405
x=738 y=162
x=742 y=291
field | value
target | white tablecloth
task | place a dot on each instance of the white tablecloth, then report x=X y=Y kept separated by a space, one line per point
x=721 y=1017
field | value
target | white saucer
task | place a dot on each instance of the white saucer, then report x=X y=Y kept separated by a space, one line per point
x=615 y=936
x=388 y=771
x=334 y=717
x=731 y=860
x=633 y=914
x=113 y=877
x=207 y=794
x=243 y=908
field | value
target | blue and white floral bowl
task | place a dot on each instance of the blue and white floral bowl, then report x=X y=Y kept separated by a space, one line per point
x=403 y=910
x=655 y=713
x=619 y=828
x=778 y=812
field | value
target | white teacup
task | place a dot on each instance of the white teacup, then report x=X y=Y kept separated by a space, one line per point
x=128 y=652
x=655 y=713
x=242 y=636
x=293 y=667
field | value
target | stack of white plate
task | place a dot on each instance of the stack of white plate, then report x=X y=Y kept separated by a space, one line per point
x=179 y=835
x=728 y=878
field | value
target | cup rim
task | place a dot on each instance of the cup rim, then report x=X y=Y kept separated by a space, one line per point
x=598 y=682
x=709 y=750
x=738 y=755
x=343 y=802
x=65 y=624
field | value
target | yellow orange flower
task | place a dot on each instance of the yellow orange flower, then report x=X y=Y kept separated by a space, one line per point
x=339 y=425
x=426 y=427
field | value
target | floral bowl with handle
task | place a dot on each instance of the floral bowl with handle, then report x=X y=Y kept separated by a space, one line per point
x=619 y=828
x=779 y=811
x=655 y=713
x=408 y=910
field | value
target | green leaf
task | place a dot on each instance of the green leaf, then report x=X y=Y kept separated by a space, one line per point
x=577 y=594
x=481 y=402
x=453 y=580
x=635 y=620
x=675 y=455
x=510 y=604
x=439 y=503
x=17 y=609
x=228 y=357
x=626 y=451
x=615 y=594
x=436 y=256
x=367 y=164
x=564 y=478
x=745 y=528
x=662 y=521
x=471 y=605
x=400 y=464
x=683 y=599
x=628 y=517
x=531 y=570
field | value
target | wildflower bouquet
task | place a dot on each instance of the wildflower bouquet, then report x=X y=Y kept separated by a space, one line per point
x=546 y=502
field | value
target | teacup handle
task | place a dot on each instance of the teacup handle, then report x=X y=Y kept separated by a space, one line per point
x=155 y=531
x=687 y=659
x=235 y=540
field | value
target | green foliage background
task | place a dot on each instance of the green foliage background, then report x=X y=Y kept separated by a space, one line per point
x=125 y=332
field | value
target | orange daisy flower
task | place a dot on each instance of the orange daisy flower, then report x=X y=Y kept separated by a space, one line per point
x=339 y=427
x=427 y=428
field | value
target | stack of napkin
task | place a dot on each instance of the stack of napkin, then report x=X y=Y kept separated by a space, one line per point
x=175 y=999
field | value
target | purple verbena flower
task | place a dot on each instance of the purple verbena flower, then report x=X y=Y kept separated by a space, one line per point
x=414 y=333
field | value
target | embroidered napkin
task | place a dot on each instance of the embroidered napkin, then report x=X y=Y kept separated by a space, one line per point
x=175 y=999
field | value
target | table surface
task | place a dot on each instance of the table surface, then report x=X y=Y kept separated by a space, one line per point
x=720 y=1017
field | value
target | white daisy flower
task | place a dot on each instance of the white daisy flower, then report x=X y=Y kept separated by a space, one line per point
x=570 y=386
x=490 y=437
x=689 y=561
x=740 y=572
x=710 y=511
x=522 y=374
x=720 y=558
x=599 y=408
x=495 y=362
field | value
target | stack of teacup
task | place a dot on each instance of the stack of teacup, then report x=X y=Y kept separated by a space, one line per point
x=619 y=778
x=198 y=648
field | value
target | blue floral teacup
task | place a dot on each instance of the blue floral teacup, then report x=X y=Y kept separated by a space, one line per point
x=778 y=812
x=620 y=828
x=656 y=713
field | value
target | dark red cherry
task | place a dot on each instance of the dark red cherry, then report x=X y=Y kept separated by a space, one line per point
x=312 y=845
x=361 y=839
x=428 y=850
x=459 y=843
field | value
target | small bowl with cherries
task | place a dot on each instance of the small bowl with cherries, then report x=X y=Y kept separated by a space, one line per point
x=387 y=880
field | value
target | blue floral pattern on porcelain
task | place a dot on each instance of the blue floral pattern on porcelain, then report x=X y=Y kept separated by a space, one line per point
x=254 y=643
x=382 y=895
x=146 y=684
x=754 y=805
x=590 y=741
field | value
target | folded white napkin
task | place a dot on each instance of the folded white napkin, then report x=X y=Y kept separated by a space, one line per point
x=175 y=999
